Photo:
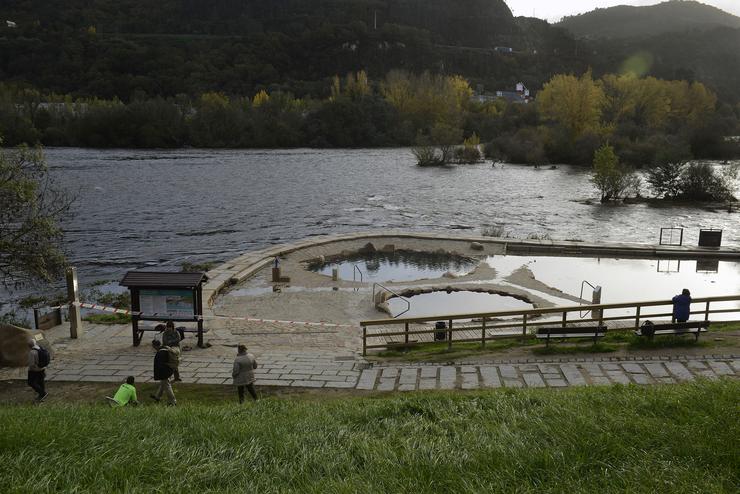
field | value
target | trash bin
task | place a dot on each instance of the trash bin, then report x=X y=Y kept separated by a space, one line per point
x=440 y=335
x=710 y=238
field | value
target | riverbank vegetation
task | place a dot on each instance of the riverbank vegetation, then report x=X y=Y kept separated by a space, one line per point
x=605 y=439
x=643 y=119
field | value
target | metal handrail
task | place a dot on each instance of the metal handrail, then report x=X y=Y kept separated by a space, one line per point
x=398 y=295
x=358 y=270
x=580 y=297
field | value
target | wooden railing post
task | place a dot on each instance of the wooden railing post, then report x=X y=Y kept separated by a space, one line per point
x=565 y=318
x=483 y=334
x=524 y=328
x=364 y=341
x=637 y=317
x=706 y=312
x=406 y=336
x=449 y=335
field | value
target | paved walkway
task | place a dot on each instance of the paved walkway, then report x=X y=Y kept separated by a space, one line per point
x=311 y=370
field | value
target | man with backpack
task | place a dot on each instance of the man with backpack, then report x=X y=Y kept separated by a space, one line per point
x=38 y=359
x=163 y=372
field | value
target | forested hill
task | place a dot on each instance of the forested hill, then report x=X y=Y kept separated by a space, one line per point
x=623 y=22
x=123 y=48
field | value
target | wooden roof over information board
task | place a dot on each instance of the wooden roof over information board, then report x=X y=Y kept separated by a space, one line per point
x=162 y=279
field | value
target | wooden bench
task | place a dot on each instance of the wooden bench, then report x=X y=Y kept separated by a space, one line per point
x=590 y=332
x=159 y=328
x=689 y=327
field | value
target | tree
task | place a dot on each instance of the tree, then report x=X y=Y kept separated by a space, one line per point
x=665 y=177
x=575 y=103
x=30 y=209
x=612 y=179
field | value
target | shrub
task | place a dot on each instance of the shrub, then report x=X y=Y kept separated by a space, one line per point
x=702 y=182
x=612 y=179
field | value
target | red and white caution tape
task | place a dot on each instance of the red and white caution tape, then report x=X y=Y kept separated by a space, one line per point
x=278 y=321
x=247 y=319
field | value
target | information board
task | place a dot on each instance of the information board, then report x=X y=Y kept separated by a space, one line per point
x=167 y=303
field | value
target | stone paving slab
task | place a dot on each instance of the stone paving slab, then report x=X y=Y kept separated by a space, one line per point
x=300 y=370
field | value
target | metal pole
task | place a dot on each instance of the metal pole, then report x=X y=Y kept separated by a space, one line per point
x=483 y=334
x=73 y=297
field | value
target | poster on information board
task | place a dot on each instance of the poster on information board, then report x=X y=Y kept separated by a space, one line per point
x=167 y=303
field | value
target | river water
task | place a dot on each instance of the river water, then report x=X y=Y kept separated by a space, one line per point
x=139 y=208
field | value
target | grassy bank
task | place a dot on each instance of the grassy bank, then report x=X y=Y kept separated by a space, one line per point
x=681 y=438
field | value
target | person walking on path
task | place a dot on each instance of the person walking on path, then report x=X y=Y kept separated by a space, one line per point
x=126 y=394
x=243 y=373
x=162 y=372
x=682 y=306
x=171 y=339
x=38 y=359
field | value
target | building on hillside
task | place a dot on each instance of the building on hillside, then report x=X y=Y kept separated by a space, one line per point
x=520 y=95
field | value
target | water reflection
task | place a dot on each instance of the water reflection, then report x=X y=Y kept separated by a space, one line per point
x=457 y=302
x=400 y=265
x=627 y=280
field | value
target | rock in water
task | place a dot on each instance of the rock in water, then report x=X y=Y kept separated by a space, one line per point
x=369 y=248
x=14 y=344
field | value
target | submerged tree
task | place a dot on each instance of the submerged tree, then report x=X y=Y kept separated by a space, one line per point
x=611 y=178
x=30 y=209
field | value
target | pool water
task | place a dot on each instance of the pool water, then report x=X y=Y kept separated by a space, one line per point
x=456 y=302
x=626 y=280
x=397 y=266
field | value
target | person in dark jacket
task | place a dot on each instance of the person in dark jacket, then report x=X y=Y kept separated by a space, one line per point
x=243 y=373
x=171 y=338
x=162 y=372
x=36 y=373
x=682 y=306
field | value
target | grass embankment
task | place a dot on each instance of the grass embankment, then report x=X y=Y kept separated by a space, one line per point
x=679 y=438
x=614 y=341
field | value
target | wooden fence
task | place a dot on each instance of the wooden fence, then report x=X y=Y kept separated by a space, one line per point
x=482 y=327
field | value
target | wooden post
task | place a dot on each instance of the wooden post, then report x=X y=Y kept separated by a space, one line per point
x=198 y=294
x=565 y=317
x=637 y=318
x=483 y=334
x=135 y=308
x=706 y=313
x=449 y=335
x=364 y=341
x=524 y=328
x=406 y=336
x=73 y=297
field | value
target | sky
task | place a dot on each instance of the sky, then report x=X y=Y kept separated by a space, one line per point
x=553 y=10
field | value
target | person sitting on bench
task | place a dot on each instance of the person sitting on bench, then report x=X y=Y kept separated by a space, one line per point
x=682 y=306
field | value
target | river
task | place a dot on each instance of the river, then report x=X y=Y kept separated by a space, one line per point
x=137 y=208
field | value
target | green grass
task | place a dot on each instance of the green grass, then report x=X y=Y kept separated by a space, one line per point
x=438 y=352
x=677 y=439
x=114 y=318
x=555 y=349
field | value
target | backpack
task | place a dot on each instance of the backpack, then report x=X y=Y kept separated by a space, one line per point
x=44 y=357
x=647 y=329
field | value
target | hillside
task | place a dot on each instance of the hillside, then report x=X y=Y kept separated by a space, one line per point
x=625 y=22
x=113 y=48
